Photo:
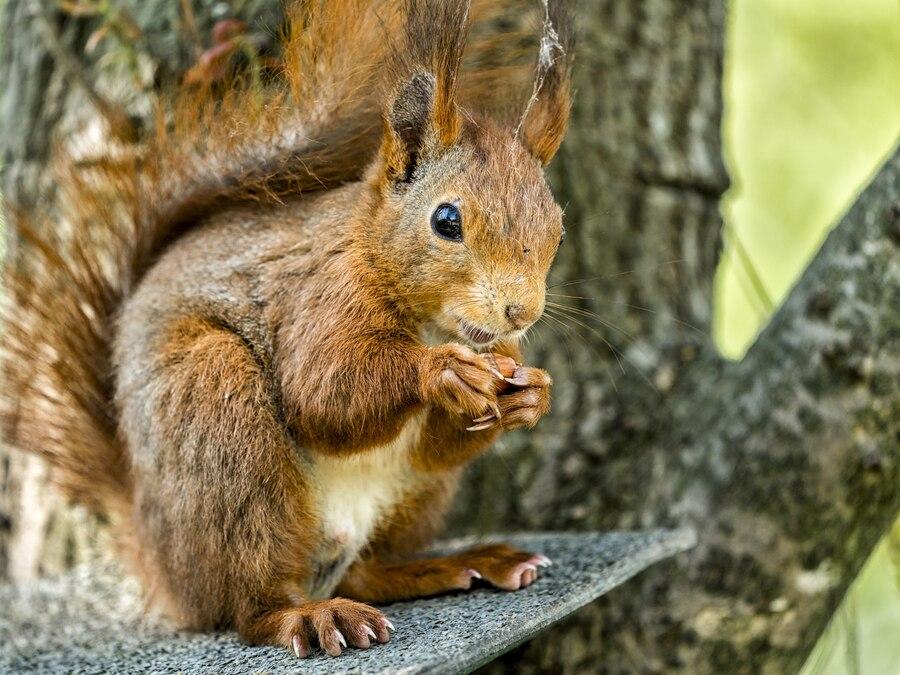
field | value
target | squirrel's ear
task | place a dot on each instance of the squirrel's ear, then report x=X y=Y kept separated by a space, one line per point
x=419 y=123
x=422 y=118
x=545 y=120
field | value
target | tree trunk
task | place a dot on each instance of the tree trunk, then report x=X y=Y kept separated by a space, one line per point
x=49 y=89
x=36 y=532
x=786 y=462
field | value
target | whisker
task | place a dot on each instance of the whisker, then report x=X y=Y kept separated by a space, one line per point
x=614 y=351
x=563 y=309
x=612 y=276
x=592 y=315
x=648 y=310
x=590 y=345
x=588 y=314
x=570 y=358
x=561 y=335
x=574 y=297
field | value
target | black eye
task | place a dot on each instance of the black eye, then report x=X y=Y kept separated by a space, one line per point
x=446 y=221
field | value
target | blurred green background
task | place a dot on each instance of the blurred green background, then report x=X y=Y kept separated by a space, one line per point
x=812 y=95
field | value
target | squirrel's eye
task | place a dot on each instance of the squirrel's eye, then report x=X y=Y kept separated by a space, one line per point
x=446 y=221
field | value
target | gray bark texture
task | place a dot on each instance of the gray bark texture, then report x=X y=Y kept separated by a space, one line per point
x=786 y=463
x=36 y=532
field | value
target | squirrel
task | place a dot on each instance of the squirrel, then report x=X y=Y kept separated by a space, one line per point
x=266 y=347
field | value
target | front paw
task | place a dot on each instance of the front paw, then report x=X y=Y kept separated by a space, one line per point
x=528 y=401
x=465 y=383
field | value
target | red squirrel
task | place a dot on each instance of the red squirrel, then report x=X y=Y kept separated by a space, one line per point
x=268 y=344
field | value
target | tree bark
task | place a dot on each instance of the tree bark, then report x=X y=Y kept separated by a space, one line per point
x=786 y=462
x=48 y=91
x=34 y=100
x=787 y=465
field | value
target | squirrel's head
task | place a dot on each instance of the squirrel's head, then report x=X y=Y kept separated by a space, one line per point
x=463 y=223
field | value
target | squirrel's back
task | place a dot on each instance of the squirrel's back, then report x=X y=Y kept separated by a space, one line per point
x=225 y=271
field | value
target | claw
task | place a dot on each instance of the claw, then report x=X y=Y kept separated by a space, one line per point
x=475 y=574
x=517 y=381
x=483 y=425
x=483 y=418
x=340 y=638
x=368 y=631
x=298 y=646
x=387 y=622
x=542 y=560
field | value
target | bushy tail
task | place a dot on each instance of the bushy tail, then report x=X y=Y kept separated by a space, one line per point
x=316 y=126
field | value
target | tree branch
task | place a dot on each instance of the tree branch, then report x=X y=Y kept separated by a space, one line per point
x=792 y=471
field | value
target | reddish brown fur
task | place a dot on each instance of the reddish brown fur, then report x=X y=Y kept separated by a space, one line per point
x=242 y=378
x=374 y=580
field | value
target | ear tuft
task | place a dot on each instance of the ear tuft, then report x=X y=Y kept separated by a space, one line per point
x=545 y=120
x=422 y=118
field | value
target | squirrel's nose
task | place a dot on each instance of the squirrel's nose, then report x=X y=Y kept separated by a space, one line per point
x=517 y=315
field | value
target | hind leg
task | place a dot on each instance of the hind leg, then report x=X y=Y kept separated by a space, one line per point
x=222 y=510
x=393 y=568
x=501 y=566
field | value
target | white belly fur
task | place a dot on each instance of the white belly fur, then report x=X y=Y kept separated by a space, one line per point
x=355 y=492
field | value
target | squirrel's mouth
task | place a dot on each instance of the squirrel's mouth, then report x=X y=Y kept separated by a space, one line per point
x=476 y=335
